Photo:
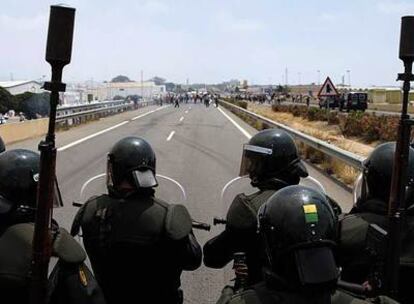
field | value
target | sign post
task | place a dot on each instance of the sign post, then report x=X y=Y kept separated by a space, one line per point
x=328 y=90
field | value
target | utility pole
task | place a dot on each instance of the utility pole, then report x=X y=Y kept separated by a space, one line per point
x=319 y=77
x=142 y=85
x=286 y=76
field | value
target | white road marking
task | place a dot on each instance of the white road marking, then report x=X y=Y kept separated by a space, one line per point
x=182 y=118
x=189 y=108
x=245 y=133
x=147 y=113
x=171 y=135
x=79 y=141
x=186 y=112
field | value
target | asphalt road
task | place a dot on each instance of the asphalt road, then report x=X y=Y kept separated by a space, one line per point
x=197 y=146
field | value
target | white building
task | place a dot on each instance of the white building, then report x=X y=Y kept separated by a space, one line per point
x=146 y=89
x=21 y=86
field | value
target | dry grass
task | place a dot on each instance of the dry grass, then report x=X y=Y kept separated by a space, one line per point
x=318 y=129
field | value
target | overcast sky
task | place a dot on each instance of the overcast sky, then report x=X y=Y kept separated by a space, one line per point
x=212 y=40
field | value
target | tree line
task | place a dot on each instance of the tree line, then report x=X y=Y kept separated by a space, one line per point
x=30 y=104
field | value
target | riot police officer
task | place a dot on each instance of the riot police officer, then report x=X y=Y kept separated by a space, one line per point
x=298 y=229
x=138 y=244
x=71 y=281
x=272 y=162
x=371 y=196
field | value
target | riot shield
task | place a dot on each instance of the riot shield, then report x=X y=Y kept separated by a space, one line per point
x=312 y=183
x=240 y=184
x=168 y=190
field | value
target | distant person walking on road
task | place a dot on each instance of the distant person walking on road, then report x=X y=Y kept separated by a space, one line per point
x=308 y=101
x=176 y=103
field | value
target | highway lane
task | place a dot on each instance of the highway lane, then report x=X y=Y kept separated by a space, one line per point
x=199 y=147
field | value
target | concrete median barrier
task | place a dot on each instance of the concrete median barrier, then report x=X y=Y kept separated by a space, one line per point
x=18 y=131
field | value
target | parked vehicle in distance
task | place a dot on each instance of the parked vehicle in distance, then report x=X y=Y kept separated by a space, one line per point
x=332 y=101
x=357 y=101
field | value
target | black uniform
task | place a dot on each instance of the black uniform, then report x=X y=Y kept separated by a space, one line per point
x=136 y=248
x=138 y=245
x=356 y=261
x=299 y=229
x=371 y=207
x=240 y=234
x=70 y=281
x=271 y=160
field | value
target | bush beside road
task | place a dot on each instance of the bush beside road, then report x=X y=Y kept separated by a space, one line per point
x=366 y=127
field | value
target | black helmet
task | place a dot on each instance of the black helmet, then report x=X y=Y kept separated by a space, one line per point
x=19 y=175
x=299 y=230
x=131 y=159
x=2 y=145
x=375 y=180
x=272 y=153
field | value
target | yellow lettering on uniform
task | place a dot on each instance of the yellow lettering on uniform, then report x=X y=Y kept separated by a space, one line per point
x=82 y=277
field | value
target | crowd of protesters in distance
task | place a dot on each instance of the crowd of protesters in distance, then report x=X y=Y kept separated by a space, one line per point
x=206 y=98
x=273 y=98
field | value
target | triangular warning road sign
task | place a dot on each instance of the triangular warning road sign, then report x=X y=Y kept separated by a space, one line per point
x=328 y=89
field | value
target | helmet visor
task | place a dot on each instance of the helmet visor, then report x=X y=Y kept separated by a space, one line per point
x=360 y=189
x=252 y=157
x=144 y=179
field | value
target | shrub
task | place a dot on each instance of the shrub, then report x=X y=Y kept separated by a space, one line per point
x=280 y=108
x=312 y=114
x=388 y=130
x=333 y=118
x=242 y=104
x=350 y=125
x=371 y=125
x=7 y=101
x=295 y=110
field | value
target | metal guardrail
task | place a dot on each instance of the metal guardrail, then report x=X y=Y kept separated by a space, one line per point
x=101 y=108
x=89 y=112
x=349 y=158
x=92 y=105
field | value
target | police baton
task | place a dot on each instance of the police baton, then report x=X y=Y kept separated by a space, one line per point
x=397 y=205
x=58 y=54
x=201 y=225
